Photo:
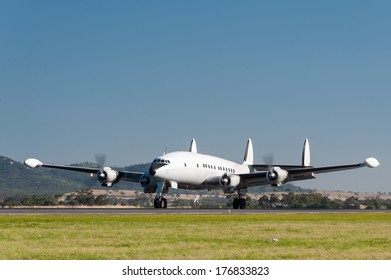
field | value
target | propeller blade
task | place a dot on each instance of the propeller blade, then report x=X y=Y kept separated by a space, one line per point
x=268 y=159
x=100 y=160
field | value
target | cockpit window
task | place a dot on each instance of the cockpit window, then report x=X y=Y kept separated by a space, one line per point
x=161 y=160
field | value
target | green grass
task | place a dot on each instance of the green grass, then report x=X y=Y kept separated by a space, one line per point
x=301 y=236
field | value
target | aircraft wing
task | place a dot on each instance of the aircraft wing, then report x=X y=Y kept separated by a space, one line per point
x=265 y=167
x=282 y=174
x=119 y=175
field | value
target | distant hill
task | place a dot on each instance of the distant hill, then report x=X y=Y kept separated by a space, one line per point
x=16 y=178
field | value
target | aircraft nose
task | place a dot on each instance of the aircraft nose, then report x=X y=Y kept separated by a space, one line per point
x=152 y=170
x=155 y=166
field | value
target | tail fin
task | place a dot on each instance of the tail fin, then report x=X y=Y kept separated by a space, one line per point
x=249 y=153
x=306 y=156
x=193 y=146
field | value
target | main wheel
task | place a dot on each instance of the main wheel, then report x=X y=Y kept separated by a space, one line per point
x=242 y=203
x=235 y=203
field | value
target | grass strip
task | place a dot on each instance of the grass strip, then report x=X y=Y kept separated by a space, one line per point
x=350 y=236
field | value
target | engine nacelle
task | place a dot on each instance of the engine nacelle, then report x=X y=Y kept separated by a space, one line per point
x=229 y=180
x=148 y=183
x=277 y=176
x=107 y=177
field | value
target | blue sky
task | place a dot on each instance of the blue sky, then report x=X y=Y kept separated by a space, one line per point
x=128 y=78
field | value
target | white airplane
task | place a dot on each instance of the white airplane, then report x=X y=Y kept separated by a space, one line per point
x=194 y=171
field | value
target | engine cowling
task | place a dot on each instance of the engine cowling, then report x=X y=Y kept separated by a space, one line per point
x=148 y=183
x=277 y=175
x=229 y=180
x=107 y=177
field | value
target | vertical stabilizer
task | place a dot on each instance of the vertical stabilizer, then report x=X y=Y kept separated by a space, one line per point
x=306 y=157
x=249 y=154
x=193 y=146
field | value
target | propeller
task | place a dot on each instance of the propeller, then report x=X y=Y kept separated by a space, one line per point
x=91 y=182
x=102 y=175
x=268 y=159
x=100 y=159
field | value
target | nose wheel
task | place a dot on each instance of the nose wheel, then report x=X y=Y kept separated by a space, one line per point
x=160 y=203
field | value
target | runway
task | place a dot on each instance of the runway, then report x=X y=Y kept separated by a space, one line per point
x=170 y=211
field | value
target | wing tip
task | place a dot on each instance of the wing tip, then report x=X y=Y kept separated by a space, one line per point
x=371 y=162
x=33 y=163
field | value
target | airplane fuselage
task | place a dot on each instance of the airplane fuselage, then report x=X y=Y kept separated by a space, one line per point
x=191 y=170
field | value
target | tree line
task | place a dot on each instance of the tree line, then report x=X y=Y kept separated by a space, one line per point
x=319 y=201
x=267 y=201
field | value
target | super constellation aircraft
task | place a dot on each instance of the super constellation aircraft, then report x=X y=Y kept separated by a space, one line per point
x=194 y=171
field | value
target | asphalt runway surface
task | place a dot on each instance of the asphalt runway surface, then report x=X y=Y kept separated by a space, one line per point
x=169 y=211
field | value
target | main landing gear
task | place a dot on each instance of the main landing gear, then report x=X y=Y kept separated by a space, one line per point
x=239 y=203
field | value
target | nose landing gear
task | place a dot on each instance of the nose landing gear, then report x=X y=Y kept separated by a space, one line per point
x=160 y=203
